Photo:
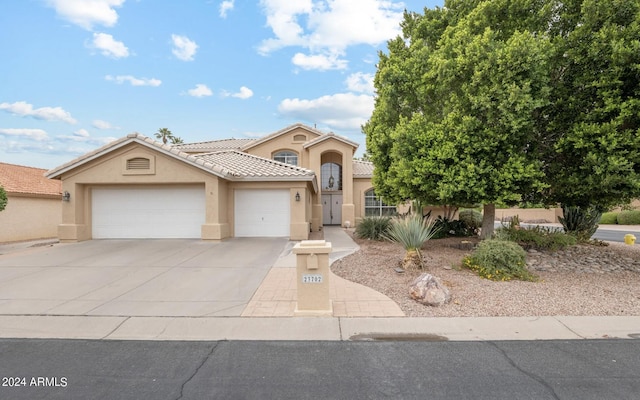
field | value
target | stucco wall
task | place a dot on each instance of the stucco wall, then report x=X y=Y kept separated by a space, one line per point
x=109 y=170
x=29 y=218
x=530 y=214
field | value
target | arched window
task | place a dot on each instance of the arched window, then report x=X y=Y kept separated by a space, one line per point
x=375 y=207
x=287 y=157
x=331 y=176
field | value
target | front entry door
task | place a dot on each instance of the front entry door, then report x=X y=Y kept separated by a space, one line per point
x=331 y=209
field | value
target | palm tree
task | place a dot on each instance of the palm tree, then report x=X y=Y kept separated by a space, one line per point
x=164 y=134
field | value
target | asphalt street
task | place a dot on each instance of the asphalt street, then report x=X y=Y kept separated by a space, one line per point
x=82 y=369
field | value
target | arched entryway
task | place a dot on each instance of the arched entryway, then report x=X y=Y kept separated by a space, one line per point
x=331 y=188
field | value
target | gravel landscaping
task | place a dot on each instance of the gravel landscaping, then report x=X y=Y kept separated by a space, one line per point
x=581 y=280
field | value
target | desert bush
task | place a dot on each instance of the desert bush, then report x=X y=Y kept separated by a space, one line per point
x=472 y=218
x=582 y=222
x=447 y=227
x=373 y=228
x=411 y=232
x=609 y=218
x=629 y=217
x=536 y=237
x=499 y=260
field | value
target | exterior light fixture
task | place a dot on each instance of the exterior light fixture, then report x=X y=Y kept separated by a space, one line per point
x=297 y=196
x=66 y=196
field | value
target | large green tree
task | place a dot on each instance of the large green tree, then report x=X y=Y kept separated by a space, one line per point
x=500 y=101
x=454 y=116
x=594 y=118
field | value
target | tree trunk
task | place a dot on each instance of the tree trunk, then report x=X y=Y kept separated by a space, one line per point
x=488 y=218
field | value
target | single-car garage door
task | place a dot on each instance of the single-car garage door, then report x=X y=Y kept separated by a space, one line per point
x=132 y=213
x=262 y=213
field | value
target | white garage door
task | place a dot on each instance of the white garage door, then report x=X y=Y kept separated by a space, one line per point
x=262 y=213
x=129 y=213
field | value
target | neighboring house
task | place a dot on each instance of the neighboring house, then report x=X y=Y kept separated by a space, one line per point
x=34 y=204
x=289 y=183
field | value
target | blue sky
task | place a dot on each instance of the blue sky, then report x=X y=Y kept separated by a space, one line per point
x=77 y=74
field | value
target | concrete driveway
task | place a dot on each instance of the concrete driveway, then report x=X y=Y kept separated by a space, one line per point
x=136 y=277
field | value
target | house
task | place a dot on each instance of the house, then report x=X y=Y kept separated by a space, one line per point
x=289 y=183
x=33 y=209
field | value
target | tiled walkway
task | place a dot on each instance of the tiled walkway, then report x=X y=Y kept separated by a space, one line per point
x=276 y=296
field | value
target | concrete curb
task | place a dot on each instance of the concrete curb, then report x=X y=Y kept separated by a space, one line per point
x=319 y=329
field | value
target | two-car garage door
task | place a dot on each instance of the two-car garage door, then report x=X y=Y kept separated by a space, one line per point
x=148 y=212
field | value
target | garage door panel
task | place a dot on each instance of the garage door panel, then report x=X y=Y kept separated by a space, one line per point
x=263 y=213
x=176 y=212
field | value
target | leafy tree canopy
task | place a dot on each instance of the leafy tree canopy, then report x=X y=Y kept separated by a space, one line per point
x=510 y=100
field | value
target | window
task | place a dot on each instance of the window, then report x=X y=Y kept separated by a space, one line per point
x=375 y=207
x=287 y=157
x=331 y=177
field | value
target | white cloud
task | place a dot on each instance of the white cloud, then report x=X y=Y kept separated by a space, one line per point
x=100 y=124
x=340 y=111
x=34 y=134
x=86 y=13
x=108 y=46
x=25 y=109
x=83 y=133
x=201 y=90
x=360 y=82
x=184 y=48
x=329 y=27
x=319 y=61
x=225 y=7
x=243 y=94
x=120 y=79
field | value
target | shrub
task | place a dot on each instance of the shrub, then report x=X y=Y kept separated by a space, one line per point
x=411 y=232
x=582 y=222
x=537 y=237
x=3 y=198
x=373 y=228
x=447 y=228
x=472 y=218
x=499 y=260
x=609 y=218
x=629 y=217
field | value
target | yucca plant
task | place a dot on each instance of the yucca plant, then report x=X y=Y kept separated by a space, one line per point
x=411 y=232
x=580 y=222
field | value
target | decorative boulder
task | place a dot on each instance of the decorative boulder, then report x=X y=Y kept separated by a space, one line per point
x=427 y=289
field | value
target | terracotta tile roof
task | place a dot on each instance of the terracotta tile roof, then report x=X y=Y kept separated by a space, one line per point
x=249 y=166
x=362 y=169
x=27 y=180
x=230 y=164
x=214 y=145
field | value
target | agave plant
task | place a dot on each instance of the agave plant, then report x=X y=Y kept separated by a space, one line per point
x=411 y=232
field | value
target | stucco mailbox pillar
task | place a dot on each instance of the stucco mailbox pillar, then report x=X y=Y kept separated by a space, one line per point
x=312 y=265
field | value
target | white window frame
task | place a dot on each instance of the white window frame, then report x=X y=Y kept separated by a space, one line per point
x=287 y=157
x=379 y=208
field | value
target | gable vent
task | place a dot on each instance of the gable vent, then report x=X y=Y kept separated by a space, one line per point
x=300 y=138
x=138 y=163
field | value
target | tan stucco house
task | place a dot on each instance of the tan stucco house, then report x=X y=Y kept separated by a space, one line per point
x=34 y=204
x=289 y=183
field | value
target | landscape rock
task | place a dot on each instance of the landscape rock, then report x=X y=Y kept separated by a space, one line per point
x=428 y=290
